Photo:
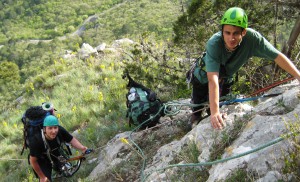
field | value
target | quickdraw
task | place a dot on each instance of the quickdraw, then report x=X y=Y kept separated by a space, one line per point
x=69 y=166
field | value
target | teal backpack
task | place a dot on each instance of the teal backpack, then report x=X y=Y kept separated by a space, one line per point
x=143 y=106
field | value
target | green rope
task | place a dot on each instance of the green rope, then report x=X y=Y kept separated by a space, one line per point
x=139 y=149
x=221 y=160
x=167 y=108
x=4 y=159
x=173 y=108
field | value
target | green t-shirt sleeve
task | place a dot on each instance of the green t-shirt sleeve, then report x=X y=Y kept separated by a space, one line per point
x=262 y=47
x=212 y=58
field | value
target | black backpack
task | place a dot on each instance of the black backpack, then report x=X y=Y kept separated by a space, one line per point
x=143 y=105
x=32 y=120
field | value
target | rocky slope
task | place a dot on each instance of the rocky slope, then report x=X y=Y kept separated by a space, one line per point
x=251 y=146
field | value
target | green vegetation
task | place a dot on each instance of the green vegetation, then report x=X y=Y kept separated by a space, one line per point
x=292 y=160
x=89 y=93
x=241 y=175
x=202 y=19
x=44 y=19
x=96 y=124
x=280 y=103
x=188 y=155
x=227 y=137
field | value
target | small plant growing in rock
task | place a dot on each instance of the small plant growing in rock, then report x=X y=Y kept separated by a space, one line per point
x=281 y=103
x=240 y=175
x=228 y=136
x=189 y=154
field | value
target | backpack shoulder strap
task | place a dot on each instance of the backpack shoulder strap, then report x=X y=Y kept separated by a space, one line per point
x=59 y=139
x=23 y=119
x=47 y=147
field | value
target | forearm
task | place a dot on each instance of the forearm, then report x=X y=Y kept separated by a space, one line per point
x=36 y=167
x=287 y=65
x=213 y=94
x=76 y=144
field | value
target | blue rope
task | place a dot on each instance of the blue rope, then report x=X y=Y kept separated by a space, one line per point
x=247 y=99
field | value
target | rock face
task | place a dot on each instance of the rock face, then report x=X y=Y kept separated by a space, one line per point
x=164 y=152
x=86 y=50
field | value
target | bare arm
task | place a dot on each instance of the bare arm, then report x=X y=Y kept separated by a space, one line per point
x=76 y=144
x=213 y=92
x=213 y=85
x=37 y=169
x=287 y=65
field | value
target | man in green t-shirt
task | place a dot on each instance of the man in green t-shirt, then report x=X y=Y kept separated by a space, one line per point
x=226 y=52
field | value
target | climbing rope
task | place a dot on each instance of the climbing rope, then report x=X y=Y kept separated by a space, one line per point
x=169 y=109
x=271 y=86
x=248 y=99
x=221 y=160
x=5 y=159
x=173 y=108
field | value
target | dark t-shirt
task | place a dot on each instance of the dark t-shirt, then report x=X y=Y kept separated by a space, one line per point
x=37 y=146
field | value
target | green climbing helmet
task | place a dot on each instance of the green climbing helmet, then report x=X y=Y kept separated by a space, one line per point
x=235 y=16
x=51 y=121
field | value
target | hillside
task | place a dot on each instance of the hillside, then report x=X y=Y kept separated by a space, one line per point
x=46 y=19
x=116 y=19
x=36 y=52
x=88 y=92
x=73 y=54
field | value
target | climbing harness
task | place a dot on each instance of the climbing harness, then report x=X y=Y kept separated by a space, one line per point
x=197 y=64
x=67 y=166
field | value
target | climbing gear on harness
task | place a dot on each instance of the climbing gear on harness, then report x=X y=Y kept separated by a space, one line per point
x=69 y=165
x=197 y=64
x=235 y=16
x=198 y=69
